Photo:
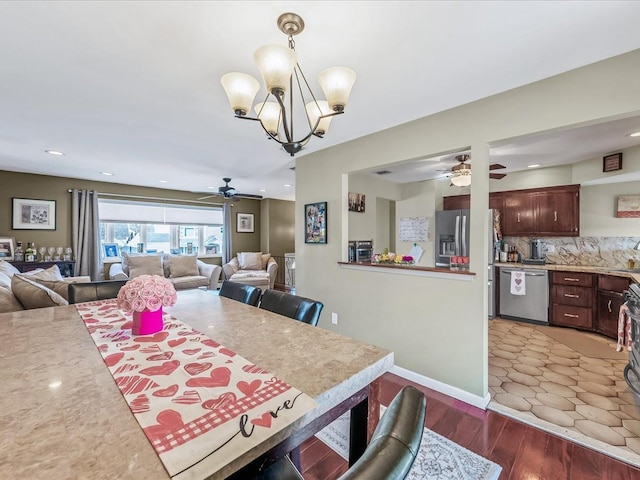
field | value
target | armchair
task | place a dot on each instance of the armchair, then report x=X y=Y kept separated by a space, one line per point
x=252 y=268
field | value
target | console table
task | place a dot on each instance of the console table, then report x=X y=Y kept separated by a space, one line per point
x=66 y=267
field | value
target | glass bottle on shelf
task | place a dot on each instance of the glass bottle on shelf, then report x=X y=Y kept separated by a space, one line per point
x=18 y=255
x=30 y=253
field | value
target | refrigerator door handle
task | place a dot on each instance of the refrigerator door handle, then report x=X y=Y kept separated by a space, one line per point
x=464 y=235
x=457 y=235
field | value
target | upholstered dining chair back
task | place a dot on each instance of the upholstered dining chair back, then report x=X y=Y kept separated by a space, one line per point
x=292 y=306
x=92 y=291
x=391 y=451
x=241 y=292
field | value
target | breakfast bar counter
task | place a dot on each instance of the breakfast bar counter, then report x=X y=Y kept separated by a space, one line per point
x=63 y=416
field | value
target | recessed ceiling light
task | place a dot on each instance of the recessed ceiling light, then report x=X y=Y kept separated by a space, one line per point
x=212 y=188
x=634 y=134
x=106 y=173
x=287 y=185
x=535 y=165
x=162 y=181
x=53 y=152
x=262 y=190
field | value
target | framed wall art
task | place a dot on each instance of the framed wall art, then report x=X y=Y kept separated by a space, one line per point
x=31 y=214
x=628 y=206
x=7 y=248
x=315 y=225
x=244 y=223
x=612 y=162
x=356 y=202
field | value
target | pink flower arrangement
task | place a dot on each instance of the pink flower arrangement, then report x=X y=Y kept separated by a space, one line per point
x=146 y=292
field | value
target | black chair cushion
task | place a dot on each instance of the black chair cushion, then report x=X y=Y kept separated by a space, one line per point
x=92 y=291
x=292 y=306
x=240 y=292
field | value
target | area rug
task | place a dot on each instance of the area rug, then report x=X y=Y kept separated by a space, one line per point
x=589 y=345
x=438 y=459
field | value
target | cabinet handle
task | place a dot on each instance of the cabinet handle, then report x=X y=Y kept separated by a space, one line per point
x=555 y=216
x=571 y=316
x=518 y=217
x=570 y=295
x=571 y=279
x=609 y=306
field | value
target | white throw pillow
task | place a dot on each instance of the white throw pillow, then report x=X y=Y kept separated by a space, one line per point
x=250 y=260
x=52 y=273
x=5 y=281
x=8 y=269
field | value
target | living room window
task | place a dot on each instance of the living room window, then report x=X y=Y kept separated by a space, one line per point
x=149 y=227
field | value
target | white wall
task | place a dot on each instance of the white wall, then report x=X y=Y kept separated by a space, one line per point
x=438 y=327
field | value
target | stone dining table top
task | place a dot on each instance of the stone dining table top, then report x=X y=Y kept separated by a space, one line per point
x=62 y=415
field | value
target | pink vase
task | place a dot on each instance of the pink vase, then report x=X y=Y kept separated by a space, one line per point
x=145 y=323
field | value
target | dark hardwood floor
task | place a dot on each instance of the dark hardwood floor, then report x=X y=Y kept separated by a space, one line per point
x=523 y=452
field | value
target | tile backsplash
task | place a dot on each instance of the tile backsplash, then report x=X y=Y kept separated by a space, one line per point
x=609 y=252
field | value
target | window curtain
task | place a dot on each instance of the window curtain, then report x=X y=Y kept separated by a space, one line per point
x=85 y=231
x=227 y=254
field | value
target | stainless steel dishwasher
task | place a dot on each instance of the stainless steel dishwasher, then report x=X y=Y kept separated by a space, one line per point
x=533 y=306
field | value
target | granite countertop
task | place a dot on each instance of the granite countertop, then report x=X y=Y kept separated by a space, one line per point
x=634 y=274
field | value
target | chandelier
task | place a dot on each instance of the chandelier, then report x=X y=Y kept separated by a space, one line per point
x=281 y=72
x=461 y=173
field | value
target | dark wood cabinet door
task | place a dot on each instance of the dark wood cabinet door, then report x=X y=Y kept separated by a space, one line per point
x=496 y=200
x=608 y=307
x=456 y=202
x=558 y=213
x=518 y=214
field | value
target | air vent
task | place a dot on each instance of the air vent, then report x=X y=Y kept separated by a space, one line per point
x=383 y=172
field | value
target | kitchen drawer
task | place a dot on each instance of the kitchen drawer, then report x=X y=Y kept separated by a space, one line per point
x=570 y=295
x=570 y=316
x=577 y=279
x=613 y=283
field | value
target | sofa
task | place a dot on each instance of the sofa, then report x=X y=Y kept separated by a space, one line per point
x=37 y=288
x=252 y=268
x=184 y=271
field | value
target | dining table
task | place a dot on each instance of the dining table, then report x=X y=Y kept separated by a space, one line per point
x=63 y=415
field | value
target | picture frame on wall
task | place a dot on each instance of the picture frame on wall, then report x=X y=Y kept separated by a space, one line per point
x=32 y=214
x=611 y=163
x=356 y=202
x=244 y=223
x=315 y=225
x=7 y=248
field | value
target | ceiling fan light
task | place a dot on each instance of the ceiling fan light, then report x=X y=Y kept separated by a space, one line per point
x=241 y=89
x=461 y=178
x=314 y=111
x=270 y=116
x=336 y=83
x=276 y=64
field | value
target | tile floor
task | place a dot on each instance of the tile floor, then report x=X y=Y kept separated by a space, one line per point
x=541 y=378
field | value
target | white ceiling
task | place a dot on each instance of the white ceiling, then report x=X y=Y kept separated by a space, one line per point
x=132 y=88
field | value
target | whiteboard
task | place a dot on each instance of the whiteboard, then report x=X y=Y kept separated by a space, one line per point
x=414 y=229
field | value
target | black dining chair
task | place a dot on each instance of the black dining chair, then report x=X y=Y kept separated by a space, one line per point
x=392 y=450
x=92 y=291
x=240 y=292
x=292 y=306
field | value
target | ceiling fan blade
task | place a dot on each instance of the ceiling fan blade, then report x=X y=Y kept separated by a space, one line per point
x=497 y=176
x=209 y=196
x=496 y=166
x=246 y=195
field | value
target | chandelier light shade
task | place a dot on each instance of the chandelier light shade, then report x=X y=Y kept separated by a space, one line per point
x=461 y=177
x=241 y=90
x=281 y=72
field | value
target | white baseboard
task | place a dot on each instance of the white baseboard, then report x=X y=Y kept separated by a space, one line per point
x=466 y=397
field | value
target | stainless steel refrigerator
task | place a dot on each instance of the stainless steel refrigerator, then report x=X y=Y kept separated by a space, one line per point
x=452 y=240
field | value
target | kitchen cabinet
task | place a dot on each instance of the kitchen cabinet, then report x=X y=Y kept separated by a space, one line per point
x=463 y=202
x=572 y=300
x=558 y=212
x=518 y=216
x=609 y=299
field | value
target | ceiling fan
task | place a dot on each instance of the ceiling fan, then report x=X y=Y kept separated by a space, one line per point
x=463 y=169
x=229 y=192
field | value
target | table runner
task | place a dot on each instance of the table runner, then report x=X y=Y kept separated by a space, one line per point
x=200 y=405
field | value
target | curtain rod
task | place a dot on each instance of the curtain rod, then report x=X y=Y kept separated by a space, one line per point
x=142 y=197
